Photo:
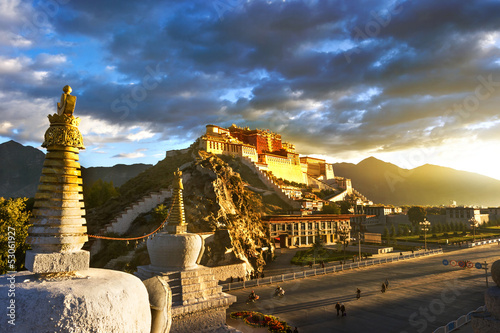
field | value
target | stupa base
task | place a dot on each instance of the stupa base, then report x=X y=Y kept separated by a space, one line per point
x=56 y=262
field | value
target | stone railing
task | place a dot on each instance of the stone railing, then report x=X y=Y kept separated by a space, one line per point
x=123 y=221
x=456 y=324
x=327 y=269
x=483 y=242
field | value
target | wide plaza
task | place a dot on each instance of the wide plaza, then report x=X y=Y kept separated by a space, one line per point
x=423 y=295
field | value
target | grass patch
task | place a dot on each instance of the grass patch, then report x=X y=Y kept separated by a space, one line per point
x=304 y=257
x=452 y=237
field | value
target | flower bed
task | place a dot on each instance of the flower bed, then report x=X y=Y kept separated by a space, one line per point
x=257 y=319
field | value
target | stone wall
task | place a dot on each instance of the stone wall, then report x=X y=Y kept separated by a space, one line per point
x=268 y=182
x=121 y=223
x=224 y=273
x=285 y=168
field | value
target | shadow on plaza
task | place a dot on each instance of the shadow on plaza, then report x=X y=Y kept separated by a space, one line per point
x=319 y=303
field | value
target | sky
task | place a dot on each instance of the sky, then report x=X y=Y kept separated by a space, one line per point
x=409 y=82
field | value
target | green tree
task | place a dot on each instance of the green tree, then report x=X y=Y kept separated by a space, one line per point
x=416 y=230
x=400 y=230
x=393 y=232
x=453 y=226
x=406 y=230
x=386 y=234
x=331 y=208
x=345 y=207
x=416 y=214
x=99 y=193
x=14 y=223
x=160 y=212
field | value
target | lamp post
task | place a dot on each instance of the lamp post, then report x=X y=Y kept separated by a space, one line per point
x=424 y=225
x=359 y=245
x=343 y=232
x=473 y=223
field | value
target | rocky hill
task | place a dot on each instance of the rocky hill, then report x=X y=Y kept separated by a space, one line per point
x=215 y=198
x=387 y=183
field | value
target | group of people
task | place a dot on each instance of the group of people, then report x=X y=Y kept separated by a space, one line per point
x=340 y=307
x=277 y=292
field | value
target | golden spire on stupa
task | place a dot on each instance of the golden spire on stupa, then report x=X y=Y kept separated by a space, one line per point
x=177 y=219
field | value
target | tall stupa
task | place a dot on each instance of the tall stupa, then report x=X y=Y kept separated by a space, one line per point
x=59 y=232
x=59 y=292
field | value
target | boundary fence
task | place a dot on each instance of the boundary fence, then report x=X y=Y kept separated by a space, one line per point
x=456 y=324
x=324 y=270
x=484 y=242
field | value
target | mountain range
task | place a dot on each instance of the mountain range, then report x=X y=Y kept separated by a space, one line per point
x=379 y=181
x=21 y=167
x=387 y=183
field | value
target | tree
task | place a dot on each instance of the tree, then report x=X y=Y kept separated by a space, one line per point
x=416 y=214
x=416 y=230
x=345 y=207
x=331 y=208
x=386 y=234
x=393 y=232
x=99 y=193
x=14 y=223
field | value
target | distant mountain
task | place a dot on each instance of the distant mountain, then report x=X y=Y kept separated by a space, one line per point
x=21 y=167
x=119 y=174
x=387 y=183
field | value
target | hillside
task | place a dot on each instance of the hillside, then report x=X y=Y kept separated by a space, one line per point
x=387 y=183
x=119 y=174
x=215 y=198
x=21 y=167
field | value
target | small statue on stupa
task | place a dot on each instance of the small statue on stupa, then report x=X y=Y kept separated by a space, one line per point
x=68 y=102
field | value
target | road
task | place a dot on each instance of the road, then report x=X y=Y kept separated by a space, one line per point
x=423 y=295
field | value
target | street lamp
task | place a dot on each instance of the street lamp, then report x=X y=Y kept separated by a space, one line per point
x=343 y=232
x=473 y=224
x=424 y=225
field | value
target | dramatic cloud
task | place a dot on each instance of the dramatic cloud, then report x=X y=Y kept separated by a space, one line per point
x=337 y=78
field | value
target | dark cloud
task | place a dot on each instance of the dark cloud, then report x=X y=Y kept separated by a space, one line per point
x=359 y=75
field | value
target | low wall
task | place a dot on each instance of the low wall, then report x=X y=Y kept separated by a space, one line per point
x=370 y=249
x=224 y=273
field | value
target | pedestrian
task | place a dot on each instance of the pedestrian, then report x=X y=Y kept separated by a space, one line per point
x=337 y=307
x=322 y=264
x=358 y=293
x=288 y=329
x=383 y=288
x=342 y=309
x=386 y=282
x=295 y=330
